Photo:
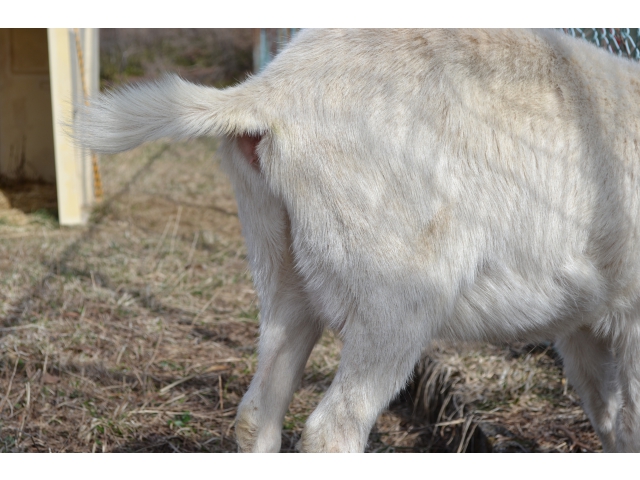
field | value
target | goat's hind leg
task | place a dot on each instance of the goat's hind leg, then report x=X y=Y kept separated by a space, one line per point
x=287 y=336
x=288 y=330
x=377 y=359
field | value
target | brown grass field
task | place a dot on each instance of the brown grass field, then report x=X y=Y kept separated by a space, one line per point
x=137 y=333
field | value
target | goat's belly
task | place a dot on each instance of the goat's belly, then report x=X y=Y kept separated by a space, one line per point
x=504 y=305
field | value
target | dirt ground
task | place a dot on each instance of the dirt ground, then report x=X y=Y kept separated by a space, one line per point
x=137 y=333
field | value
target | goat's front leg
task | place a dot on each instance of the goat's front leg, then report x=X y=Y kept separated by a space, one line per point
x=287 y=336
x=627 y=350
x=590 y=368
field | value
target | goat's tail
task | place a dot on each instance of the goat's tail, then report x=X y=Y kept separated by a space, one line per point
x=171 y=107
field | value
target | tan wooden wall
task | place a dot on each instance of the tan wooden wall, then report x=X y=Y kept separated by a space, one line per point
x=26 y=128
x=39 y=85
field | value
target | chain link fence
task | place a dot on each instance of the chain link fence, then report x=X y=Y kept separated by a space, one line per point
x=619 y=41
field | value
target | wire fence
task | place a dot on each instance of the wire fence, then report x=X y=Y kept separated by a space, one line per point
x=619 y=41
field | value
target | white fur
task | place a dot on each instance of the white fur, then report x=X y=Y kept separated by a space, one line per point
x=421 y=185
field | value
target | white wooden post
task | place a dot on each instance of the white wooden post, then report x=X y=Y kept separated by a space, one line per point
x=74 y=174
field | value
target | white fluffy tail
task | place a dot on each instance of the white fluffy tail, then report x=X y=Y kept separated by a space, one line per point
x=171 y=107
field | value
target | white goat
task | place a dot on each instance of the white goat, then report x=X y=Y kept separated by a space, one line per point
x=406 y=186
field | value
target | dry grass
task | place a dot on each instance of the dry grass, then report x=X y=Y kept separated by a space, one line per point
x=138 y=333
x=502 y=399
x=119 y=336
